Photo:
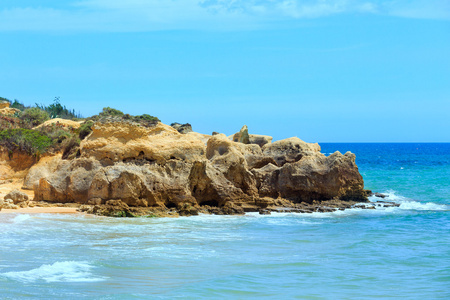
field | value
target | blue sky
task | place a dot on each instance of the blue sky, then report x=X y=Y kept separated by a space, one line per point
x=325 y=71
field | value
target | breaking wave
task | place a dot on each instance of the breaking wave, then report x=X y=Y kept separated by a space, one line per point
x=409 y=204
x=66 y=271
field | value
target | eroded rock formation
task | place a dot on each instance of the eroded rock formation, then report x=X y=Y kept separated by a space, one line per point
x=160 y=167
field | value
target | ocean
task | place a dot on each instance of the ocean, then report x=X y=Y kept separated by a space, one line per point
x=397 y=252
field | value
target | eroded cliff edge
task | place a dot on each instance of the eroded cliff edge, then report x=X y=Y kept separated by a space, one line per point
x=125 y=167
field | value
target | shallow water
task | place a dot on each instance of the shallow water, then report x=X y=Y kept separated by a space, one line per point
x=353 y=254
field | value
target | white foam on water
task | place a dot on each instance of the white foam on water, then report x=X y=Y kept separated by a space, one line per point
x=409 y=204
x=66 y=271
x=414 y=205
x=21 y=218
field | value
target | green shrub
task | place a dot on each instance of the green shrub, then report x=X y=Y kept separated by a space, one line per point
x=34 y=116
x=85 y=129
x=10 y=122
x=146 y=117
x=108 y=111
x=55 y=133
x=27 y=140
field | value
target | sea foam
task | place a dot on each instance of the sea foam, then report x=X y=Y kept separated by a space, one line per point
x=66 y=271
x=409 y=204
x=21 y=218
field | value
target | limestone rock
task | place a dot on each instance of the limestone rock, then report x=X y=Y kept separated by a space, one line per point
x=241 y=136
x=158 y=167
x=69 y=183
x=44 y=168
x=182 y=128
x=6 y=110
x=4 y=104
x=8 y=204
x=114 y=142
x=16 y=196
x=259 y=139
x=202 y=137
x=321 y=178
x=290 y=150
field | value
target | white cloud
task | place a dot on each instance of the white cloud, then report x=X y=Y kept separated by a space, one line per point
x=147 y=15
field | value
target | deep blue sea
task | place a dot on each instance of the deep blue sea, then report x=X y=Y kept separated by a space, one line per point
x=401 y=252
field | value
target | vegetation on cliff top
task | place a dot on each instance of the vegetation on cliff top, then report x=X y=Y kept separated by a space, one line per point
x=25 y=140
x=111 y=114
x=19 y=132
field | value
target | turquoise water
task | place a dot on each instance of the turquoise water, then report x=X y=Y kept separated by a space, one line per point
x=399 y=252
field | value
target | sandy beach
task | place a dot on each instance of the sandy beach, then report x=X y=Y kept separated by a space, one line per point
x=42 y=210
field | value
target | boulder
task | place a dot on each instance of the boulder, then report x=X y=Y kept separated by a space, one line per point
x=16 y=196
x=8 y=204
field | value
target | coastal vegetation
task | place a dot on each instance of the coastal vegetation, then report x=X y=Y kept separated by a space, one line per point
x=21 y=127
x=25 y=140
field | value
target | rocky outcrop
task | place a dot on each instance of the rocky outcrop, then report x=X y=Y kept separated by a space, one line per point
x=158 y=167
x=6 y=110
x=241 y=136
x=113 y=142
x=45 y=167
x=182 y=128
x=4 y=104
x=244 y=137
x=8 y=204
x=16 y=196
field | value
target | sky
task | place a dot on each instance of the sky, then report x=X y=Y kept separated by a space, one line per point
x=324 y=71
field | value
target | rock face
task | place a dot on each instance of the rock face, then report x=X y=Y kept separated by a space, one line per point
x=43 y=168
x=160 y=167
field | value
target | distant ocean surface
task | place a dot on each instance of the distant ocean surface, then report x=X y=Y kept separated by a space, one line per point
x=401 y=252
